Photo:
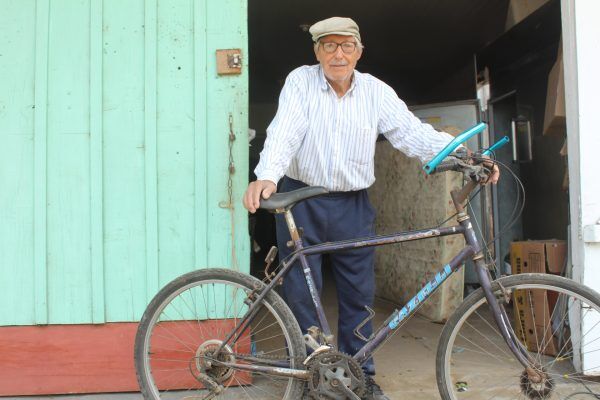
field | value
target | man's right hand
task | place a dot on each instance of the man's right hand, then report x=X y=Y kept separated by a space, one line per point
x=255 y=190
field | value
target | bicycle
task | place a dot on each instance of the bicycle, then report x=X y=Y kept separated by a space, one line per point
x=217 y=333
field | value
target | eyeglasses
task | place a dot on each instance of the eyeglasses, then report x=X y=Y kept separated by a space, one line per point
x=331 y=47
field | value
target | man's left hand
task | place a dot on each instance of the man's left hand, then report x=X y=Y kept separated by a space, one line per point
x=492 y=166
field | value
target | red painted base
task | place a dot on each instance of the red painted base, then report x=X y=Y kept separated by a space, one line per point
x=67 y=359
x=60 y=359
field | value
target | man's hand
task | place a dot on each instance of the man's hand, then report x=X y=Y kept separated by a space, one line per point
x=491 y=165
x=255 y=190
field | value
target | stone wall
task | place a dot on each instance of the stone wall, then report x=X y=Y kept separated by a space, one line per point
x=406 y=199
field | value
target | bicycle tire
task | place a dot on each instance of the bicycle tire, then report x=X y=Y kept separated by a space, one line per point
x=175 y=337
x=556 y=350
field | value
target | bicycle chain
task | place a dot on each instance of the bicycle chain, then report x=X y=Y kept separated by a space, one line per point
x=269 y=357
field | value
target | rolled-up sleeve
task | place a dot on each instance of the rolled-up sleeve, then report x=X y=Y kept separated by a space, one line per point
x=285 y=133
x=406 y=132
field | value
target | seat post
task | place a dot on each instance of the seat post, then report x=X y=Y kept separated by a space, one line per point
x=289 y=220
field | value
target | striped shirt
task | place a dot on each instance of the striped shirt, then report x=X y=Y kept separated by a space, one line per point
x=321 y=139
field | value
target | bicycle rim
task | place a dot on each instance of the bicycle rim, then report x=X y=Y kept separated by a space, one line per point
x=192 y=320
x=474 y=362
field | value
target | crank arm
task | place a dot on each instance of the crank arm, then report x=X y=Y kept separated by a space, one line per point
x=349 y=393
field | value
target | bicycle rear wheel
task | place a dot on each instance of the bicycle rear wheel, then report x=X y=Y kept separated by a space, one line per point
x=189 y=319
x=474 y=362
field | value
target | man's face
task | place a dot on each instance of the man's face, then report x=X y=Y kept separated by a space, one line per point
x=338 y=66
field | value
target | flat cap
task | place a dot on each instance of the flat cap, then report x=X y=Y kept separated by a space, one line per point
x=334 y=26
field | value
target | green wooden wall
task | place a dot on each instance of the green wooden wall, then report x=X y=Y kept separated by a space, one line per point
x=114 y=153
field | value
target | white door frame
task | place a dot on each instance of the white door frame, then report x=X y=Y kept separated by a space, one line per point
x=581 y=51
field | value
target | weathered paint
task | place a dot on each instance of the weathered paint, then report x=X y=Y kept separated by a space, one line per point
x=63 y=361
x=114 y=155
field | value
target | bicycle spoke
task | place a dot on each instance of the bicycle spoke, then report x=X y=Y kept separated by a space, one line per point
x=193 y=321
x=466 y=343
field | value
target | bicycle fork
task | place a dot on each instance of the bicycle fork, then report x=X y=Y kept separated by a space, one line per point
x=497 y=309
x=502 y=320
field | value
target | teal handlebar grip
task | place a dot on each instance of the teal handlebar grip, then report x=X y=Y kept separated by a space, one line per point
x=450 y=147
x=496 y=145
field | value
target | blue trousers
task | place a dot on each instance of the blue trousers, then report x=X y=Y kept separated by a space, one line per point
x=332 y=217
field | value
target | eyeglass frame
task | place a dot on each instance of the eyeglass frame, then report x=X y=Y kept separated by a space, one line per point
x=354 y=43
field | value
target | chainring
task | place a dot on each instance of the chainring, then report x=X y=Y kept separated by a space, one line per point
x=330 y=369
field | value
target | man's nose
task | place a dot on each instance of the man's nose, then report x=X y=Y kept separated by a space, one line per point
x=338 y=52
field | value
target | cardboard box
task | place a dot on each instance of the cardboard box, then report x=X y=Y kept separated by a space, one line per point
x=533 y=308
x=555 y=122
x=541 y=256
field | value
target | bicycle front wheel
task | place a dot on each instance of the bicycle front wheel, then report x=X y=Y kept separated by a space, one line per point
x=556 y=323
x=189 y=319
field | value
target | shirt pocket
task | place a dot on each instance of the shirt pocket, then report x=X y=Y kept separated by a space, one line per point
x=361 y=145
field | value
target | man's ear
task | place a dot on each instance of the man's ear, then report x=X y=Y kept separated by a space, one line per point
x=360 y=51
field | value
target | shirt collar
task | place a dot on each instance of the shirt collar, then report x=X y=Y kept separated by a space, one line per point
x=325 y=85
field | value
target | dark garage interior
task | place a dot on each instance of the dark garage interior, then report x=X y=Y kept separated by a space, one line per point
x=429 y=52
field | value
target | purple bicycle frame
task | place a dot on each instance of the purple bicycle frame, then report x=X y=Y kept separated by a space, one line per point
x=472 y=249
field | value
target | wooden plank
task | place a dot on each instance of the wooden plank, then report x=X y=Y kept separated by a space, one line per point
x=69 y=363
x=241 y=149
x=124 y=157
x=150 y=72
x=40 y=159
x=175 y=138
x=68 y=201
x=228 y=242
x=17 y=102
x=96 y=164
x=200 y=135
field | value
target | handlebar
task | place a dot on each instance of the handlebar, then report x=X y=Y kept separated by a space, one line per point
x=461 y=161
x=450 y=147
x=496 y=145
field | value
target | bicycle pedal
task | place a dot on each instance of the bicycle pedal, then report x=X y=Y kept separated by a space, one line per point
x=310 y=342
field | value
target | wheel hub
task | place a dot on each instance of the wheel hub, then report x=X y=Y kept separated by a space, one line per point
x=204 y=360
x=536 y=384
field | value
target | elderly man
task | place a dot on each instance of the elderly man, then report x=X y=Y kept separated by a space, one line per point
x=324 y=134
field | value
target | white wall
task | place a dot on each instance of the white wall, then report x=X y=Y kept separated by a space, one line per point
x=581 y=47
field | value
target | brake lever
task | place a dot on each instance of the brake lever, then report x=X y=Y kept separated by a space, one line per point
x=478 y=173
x=461 y=153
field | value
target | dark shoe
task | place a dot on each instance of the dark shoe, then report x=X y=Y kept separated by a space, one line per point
x=374 y=392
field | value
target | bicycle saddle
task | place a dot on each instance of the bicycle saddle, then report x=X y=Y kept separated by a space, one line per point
x=279 y=202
